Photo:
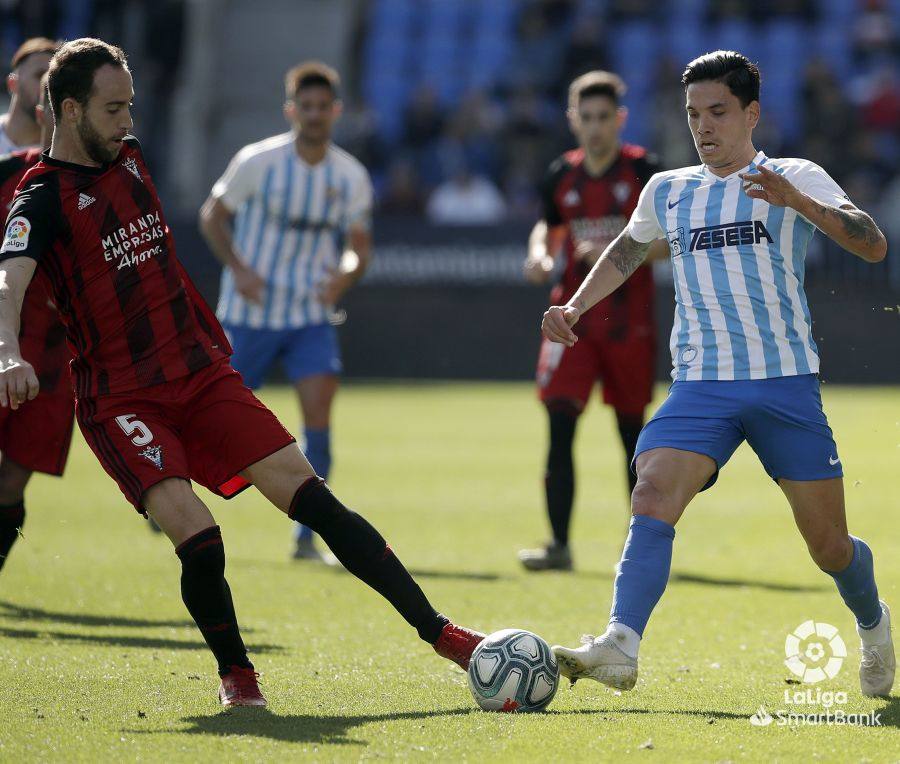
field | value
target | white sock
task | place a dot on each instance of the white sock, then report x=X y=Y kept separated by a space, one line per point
x=877 y=635
x=626 y=638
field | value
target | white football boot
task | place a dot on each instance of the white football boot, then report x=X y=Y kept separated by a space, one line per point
x=877 y=662
x=598 y=658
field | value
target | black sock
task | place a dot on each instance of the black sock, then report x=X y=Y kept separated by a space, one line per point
x=559 y=481
x=208 y=598
x=12 y=517
x=364 y=552
x=630 y=426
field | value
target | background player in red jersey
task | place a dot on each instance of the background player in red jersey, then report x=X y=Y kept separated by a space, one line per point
x=156 y=397
x=35 y=438
x=18 y=127
x=588 y=196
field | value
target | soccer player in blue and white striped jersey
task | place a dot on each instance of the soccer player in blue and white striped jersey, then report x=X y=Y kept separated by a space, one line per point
x=290 y=221
x=744 y=360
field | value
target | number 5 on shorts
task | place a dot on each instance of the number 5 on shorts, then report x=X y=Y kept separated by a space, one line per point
x=143 y=437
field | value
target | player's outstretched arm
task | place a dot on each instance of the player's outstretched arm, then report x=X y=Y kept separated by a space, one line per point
x=618 y=261
x=215 y=225
x=850 y=227
x=18 y=382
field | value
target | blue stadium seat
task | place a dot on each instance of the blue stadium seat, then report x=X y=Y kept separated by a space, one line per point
x=832 y=44
x=684 y=42
x=734 y=34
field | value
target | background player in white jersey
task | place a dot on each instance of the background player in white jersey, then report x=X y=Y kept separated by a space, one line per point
x=744 y=360
x=301 y=209
x=18 y=127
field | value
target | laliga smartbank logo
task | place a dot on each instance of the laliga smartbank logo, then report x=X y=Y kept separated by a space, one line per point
x=814 y=651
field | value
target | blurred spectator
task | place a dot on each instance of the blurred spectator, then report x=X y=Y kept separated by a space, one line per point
x=539 y=51
x=874 y=33
x=466 y=199
x=402 y=193
x=424 y=118
x=585 y=52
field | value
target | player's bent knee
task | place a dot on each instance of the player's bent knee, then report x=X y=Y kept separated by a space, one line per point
x=832 y=553
x=649 y=501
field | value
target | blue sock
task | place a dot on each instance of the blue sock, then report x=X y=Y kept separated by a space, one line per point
x=856 y=583
x=318 y=452
x=643 y=571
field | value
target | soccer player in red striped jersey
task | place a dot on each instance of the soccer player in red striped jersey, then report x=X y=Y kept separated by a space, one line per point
x=588 y=196
x=35 y=438
x=156 y=397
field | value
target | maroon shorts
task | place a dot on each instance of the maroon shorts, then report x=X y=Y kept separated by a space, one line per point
x=37 y=435
x=625 y=368
x=206 y=427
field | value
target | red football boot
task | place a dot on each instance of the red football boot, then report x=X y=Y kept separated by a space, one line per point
x=457 y=644
x=240 y=688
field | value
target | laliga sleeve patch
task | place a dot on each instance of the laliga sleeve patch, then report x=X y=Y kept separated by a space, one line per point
x=17 y=232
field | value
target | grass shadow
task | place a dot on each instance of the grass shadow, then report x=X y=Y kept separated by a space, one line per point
x=455 y=575
x=111 y=640
x=19 y=612
x=694 y=578
x=302 y=565
x=294 y=728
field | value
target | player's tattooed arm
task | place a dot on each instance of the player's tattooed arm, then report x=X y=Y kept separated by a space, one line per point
x=850 y=227
x=618 y=261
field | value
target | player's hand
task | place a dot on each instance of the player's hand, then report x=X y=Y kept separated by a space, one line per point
x=334 y=287
x=537 y=270
x=770 y=187
x=558 y=322
x=18 y=382
x=250 y=285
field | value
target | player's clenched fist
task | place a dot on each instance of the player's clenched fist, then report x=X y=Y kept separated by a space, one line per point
x=558 y=322
x=18 y=382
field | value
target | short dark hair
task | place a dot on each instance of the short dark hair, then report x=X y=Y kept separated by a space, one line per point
x=729 y=67
x=71 y=72
x=596 y=83
x=32 y=47
x=311 y=74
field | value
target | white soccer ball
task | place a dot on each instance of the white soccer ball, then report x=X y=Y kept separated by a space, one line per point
x=513 y=670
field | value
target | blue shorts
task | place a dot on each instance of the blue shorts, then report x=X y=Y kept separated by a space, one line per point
x=781 y=418
x=303 y=352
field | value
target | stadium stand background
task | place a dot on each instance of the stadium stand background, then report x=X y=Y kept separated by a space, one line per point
x=468 y=96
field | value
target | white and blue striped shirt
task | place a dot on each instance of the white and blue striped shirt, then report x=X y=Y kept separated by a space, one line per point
x=738 y=263
x=291 y=219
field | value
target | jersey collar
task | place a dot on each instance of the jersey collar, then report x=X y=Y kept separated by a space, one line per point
x=754 y=163
x=75 y=167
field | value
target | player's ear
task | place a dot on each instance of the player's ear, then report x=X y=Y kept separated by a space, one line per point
x=71 y=109
x=621 y=116
x=572 y=114
x=39 y=115
x=290 y=110
x=752 y=112
x=337 y=108
x=12 y=83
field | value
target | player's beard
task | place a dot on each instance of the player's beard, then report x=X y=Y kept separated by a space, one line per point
x=94 y=145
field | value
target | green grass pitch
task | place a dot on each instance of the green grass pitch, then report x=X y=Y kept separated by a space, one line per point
x=99 y=661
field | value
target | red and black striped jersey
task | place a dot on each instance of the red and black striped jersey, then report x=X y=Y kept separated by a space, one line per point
x=132 y=315
x=596 y=209
x=42 y=337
